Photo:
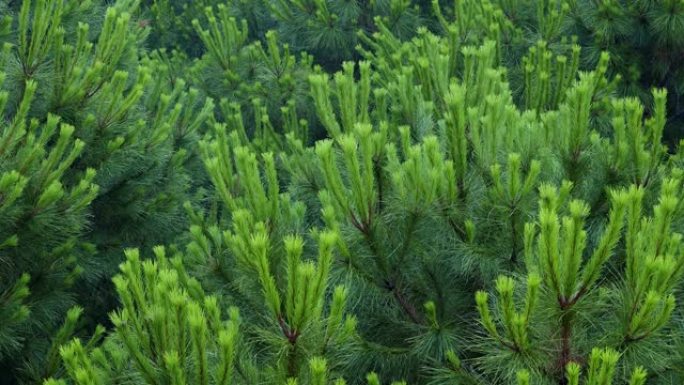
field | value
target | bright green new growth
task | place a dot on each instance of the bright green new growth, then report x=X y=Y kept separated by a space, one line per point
x=168 y=329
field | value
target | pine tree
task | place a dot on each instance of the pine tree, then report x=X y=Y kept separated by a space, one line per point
x=263 y=83
x=644 y=39
x=170 y=331
x=503 y=167
x=642 y=30
x=168 y=21
x=475 y=201
x=437 y=198
x=44 y=211
x=249 y=60
x=328 y=29
x=81 y=108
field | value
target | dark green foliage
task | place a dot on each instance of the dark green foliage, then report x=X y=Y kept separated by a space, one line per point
x=327 y=29
x=645 y=40
x=168 y=22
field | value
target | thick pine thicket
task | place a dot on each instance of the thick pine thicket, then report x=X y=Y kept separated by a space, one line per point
x=341 y=192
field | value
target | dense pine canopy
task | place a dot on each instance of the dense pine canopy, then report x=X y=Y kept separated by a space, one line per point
x=316 y=192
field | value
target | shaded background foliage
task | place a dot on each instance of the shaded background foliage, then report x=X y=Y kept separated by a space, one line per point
x=643 y=37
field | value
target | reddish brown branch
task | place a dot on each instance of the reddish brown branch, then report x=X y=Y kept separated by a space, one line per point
x=406 y=306
x=290 y=334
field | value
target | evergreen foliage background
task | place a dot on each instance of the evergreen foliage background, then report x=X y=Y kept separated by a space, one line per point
x=334 y=191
